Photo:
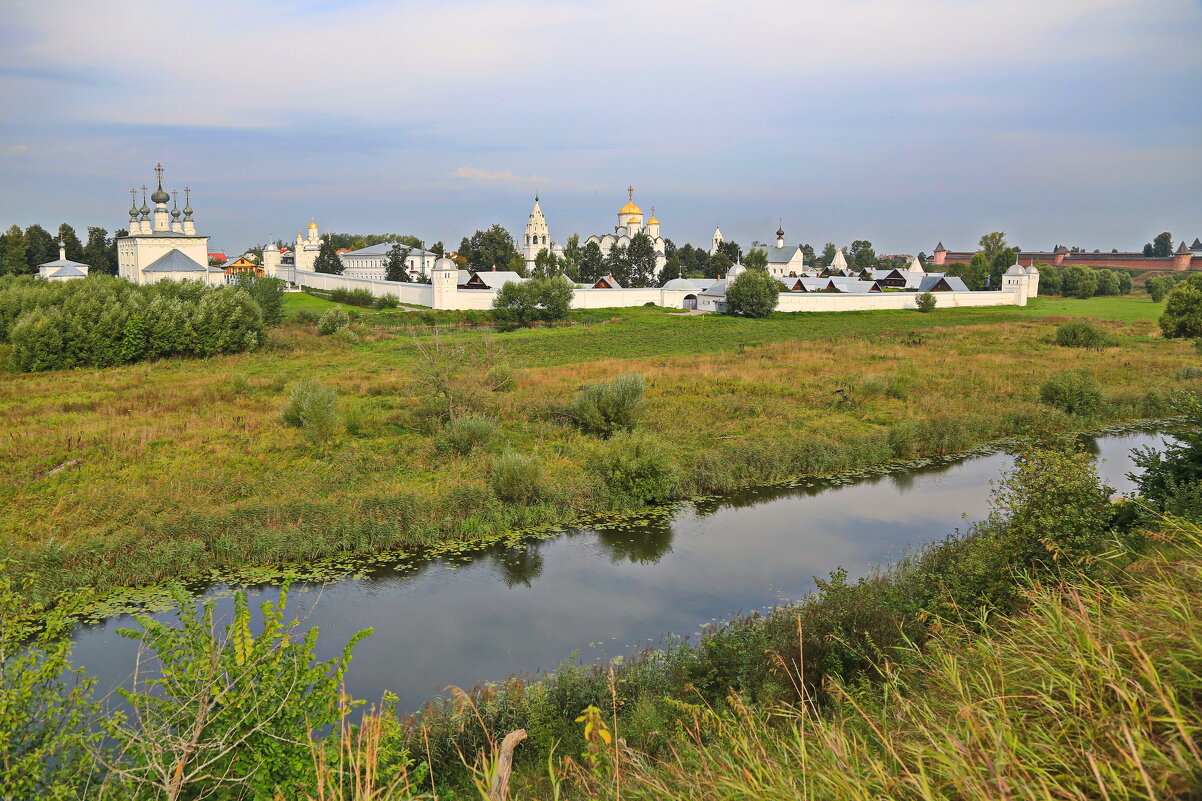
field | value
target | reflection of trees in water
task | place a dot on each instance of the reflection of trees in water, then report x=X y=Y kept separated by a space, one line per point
x=519 y=565
x=1090 y=445
x=643 y=543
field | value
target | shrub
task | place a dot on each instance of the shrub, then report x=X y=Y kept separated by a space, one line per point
x=1182 y=315
x=464 y=434
x=903 y=438
x=753 y=293
x=1158 y=286
x=637 y=468
x=313 y=409
x=387 y=302
x=1083 y=334
x=926 y=302
x=332 y=321
x=1075 y=392
x=1189 y=373
x=610 y=406
x=1171 y=480
x=306 y=316
x=517 y=478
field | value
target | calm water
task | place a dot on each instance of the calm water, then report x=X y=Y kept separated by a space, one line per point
x=599 y=593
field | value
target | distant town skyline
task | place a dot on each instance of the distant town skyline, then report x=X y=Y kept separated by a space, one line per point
x=1070 y=122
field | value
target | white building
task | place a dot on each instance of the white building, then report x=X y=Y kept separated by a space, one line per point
x=62 y=268
x=717 y=241
x=162 y=247
x=372 y=262
x=305 y=253
x=630 y=224
x=784 y=260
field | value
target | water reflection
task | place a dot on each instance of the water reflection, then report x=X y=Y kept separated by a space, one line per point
x=608 y=591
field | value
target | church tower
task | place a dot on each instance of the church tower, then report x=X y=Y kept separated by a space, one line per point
x=538 y=237
x=717 y=241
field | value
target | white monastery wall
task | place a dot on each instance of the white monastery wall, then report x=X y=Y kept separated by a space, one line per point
x=416 y=294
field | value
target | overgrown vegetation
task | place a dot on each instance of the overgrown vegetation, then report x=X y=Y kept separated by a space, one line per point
x=1074 y=392
x=753 y=293
x=733 y=402
x=1083 y=334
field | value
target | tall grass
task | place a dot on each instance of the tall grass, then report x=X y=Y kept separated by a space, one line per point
x=1092 y=693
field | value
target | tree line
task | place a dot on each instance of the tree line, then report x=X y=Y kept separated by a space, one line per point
x=22 y=251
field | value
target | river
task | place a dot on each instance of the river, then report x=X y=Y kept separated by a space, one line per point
x=598 y=593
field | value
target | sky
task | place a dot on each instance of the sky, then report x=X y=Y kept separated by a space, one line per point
x=1074 y=122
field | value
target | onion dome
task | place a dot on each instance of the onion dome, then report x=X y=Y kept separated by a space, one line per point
x=312 y=223
x=653 y=221
x=780 y=231
x=159 y=195
x=187 y=203
x=175 y=214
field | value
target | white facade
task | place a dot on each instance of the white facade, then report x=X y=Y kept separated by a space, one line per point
x=162 y=247
x=307 y=248
x=372 y=262
x=630 y=224
x=62 y=269
x=716 y=241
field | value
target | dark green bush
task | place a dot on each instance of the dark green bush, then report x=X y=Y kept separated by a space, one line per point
x=1083 y=334
x=637 y=468
x=1075 y=392
x=611 y=406
x=926 y=302
x=306 y=316
x=535 y=299
x=105 y=320
x=753 y=293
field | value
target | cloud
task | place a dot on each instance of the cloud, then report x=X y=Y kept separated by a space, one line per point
x=506 y=176
x=14 y=148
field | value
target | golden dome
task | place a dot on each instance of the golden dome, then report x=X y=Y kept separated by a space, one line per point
x=312 y=223
x=653 y=221
x=632 y=220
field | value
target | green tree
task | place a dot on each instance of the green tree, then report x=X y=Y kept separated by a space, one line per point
x=70 y=241
x=485 y=250
x=521 y=303
x=40 y=247
x=96 y=253
x=731 y=250
x=1108 y=282
x=807 y=252
x=718 y=265
x=753 y=294
x=1182 y=315
x=862 y=256
x=327 y=260
x=828 y=254
x=573 y=253
x=592 y=263
x=641 y=256
x=1078 y=281
x=12 y=252
x=617 y=264
x=395 y=268
x=438 y=249
x=1158 y=286
x=975 y=274
x=756 y=259
x=547 y=264
x=1162 y=245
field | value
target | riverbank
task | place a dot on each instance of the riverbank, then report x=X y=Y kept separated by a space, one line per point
x=175 y=469
x=1053 y=532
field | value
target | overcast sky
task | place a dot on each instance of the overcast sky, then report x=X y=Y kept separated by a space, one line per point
x=1058 y=121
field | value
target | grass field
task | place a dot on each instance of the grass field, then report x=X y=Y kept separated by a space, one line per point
x=179 y=466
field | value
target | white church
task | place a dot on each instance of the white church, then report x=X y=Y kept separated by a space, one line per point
x=630 y=224
x=162 y=243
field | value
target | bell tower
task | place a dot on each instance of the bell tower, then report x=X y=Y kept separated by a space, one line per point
x=538 y=236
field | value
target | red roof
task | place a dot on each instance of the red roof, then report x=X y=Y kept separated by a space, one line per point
x=218 y=255
x=343 y=250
